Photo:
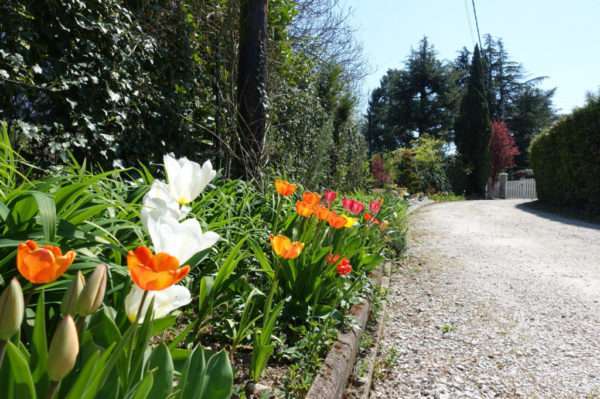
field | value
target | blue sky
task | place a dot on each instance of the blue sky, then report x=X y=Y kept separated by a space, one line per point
x=555 y=38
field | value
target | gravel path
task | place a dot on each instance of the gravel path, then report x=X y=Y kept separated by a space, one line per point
x=495 y=301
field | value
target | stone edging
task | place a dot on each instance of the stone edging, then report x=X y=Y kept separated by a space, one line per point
x=333 y=376
x=374 y=351
x=338 y=366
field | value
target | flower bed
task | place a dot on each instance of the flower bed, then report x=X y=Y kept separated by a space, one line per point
x=120 y=285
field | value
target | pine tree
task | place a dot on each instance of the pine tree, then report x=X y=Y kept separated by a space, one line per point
x=473 y=128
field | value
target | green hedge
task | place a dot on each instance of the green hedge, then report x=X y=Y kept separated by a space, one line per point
x=566 y=160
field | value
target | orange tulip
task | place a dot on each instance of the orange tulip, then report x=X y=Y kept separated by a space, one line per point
x=42 y=265
x=336 y=221
x=154 y=272
x=285 y=248
x=322 y=213
x=284 y=187
x=371 y=218
x=311 y=198
x=304 y=209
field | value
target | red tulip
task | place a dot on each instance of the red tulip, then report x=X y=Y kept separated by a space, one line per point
x=332 y=259
x=329 y=197
x=375 y=206
x=344 y=267
x=353 y=206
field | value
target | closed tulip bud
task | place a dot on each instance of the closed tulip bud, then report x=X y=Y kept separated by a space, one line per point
x=12 y=308
x=93 y=293
x=71 y=299
x=64 y=349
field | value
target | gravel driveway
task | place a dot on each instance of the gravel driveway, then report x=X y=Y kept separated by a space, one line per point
x=494 y=300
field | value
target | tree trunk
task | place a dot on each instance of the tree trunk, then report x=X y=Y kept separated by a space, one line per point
x=252 y=86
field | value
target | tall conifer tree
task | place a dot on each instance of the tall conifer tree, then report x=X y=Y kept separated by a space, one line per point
x=473 y=128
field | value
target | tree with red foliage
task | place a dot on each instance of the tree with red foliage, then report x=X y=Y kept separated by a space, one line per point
x=378 y=169
x=503 y=149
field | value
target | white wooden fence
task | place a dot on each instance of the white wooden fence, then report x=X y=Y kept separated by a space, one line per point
x=507 y=189
x=524 y=188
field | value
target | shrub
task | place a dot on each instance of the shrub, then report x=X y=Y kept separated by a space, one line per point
x=421 y=168
x=381 y=176
x=503 y=149
x=565 y=160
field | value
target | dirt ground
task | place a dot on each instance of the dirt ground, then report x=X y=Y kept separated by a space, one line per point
x=495 y=300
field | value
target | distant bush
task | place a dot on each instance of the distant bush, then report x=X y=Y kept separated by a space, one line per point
x=446 y=197
x=422 y=167
x=566 y=160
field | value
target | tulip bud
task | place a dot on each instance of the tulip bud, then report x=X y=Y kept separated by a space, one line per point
x=93 y=293
x=12 y=309
x=71 y=299
x=64 y=348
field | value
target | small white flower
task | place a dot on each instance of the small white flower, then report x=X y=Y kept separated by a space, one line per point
x=180 y=239
x=158 y=202
x=186 y=179
x=165 y=301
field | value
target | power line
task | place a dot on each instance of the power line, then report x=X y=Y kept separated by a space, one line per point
x=468 y=14
x=477 y=24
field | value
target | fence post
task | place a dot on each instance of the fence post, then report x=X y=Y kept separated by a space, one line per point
x=503 y=180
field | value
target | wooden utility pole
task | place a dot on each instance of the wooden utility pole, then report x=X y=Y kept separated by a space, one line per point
x=252 y=86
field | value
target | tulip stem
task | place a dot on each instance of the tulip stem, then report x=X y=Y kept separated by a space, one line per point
x=2 y=351
x=80 y=325
x=139 y=313
x=52 y=389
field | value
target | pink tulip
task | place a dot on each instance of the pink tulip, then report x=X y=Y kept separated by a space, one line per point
x=329 y=197
x=375 y=206
x=353 y=206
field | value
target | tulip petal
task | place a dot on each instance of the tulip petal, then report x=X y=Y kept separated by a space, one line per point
x=186 y=179
x=42 y=265
x=164 y=301
x=180 y=239
x=159 y=202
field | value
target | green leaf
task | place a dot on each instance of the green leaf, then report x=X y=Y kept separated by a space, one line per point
x=142 y=390
x=6 y=243
x=39 y=353
x=84 y=376
x=4 y=211
x=235 y=256
x=103 y=328
x=20 y=372
x=220 y=377
x=202 y=379
x=193 y=380
x=160 y=325
x=47 y=212
x=86 y=213
x=262 y=260
x=161 y=361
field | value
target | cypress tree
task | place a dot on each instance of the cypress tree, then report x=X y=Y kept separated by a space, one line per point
x=473 y=129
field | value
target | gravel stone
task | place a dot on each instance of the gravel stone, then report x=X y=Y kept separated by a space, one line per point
x=494 y=300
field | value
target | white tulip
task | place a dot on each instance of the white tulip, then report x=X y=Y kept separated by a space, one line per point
x=180 y=239
x=158 y=202
x=165 y=301
x=187 y=179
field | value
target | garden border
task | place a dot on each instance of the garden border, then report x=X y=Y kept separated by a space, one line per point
x=332 y=380
x=333 y=376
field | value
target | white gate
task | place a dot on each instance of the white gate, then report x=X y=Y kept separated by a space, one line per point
x=507 y=189
x=524 y=188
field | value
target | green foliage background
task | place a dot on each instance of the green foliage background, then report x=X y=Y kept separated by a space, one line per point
x=565 y=160
x=121 y=82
